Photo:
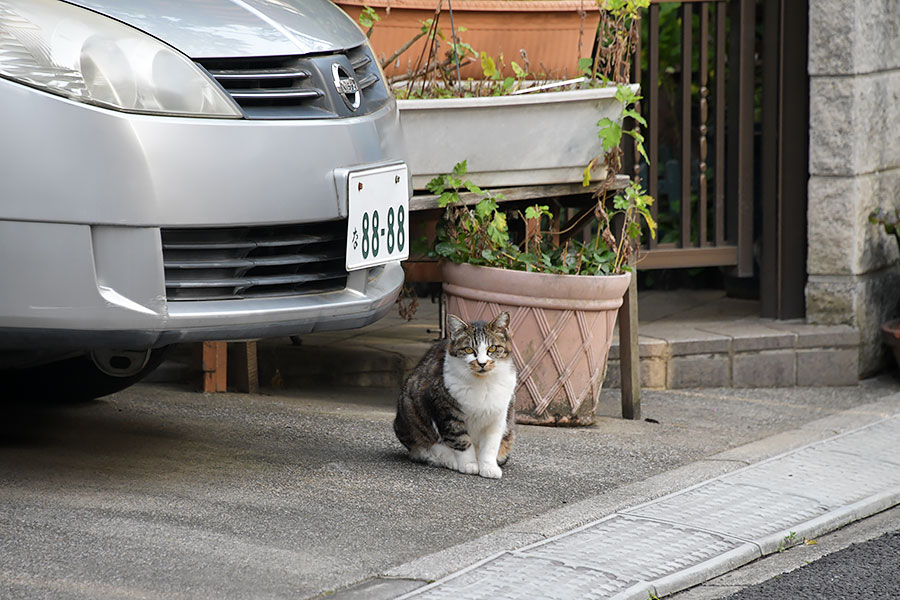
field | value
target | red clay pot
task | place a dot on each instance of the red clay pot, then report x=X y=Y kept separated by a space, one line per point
x=561 y=325
x=548 y=30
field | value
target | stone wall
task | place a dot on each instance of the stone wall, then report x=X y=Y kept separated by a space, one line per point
x=854 y=164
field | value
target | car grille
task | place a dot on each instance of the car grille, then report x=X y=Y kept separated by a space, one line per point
x=296 y=87
x=254 y=262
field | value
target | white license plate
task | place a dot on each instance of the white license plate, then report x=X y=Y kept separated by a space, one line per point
x=378 y=216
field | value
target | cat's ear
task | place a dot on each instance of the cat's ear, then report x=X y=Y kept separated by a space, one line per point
x=455 y=325
x=500 y=322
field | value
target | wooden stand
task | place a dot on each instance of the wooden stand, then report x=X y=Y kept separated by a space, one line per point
x=214 y=362
x=243 y=376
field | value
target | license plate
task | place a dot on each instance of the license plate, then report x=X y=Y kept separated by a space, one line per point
x=378 y=216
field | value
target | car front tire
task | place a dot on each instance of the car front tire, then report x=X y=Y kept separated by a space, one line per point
x=73 y=380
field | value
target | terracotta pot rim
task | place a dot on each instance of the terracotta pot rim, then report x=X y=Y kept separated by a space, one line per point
x=479 y=5
x=548 y=290
x=452 y=265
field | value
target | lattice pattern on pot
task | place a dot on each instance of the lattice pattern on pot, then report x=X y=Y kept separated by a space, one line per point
x=592 y=328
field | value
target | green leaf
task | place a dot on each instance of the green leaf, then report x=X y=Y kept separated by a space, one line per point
x=640 y=147
x=448 y=197
x=585 y=65
x=488 y=66
x=634 y=115
x=485 y=207
x=586 y=174
x=460 y=169
x=368 y=17
x=444 y=248
x=634 y=230
x=436 y=185
x=651 y=224
x=508 y=83
x=472 y=187
x=610 y=134
x=626 y=95
x=519 y=71
x=500 y=221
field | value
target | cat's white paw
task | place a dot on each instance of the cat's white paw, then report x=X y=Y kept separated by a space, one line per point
x=490 y=471
x=469 y=468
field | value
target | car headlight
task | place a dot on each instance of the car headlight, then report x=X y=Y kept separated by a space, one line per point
x=79 y=54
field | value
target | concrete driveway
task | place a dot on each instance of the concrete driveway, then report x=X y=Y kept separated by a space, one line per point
x=162 y=492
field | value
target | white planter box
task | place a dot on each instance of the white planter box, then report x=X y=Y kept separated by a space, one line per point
x=528 y=139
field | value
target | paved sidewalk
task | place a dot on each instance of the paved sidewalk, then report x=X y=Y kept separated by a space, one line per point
x=695 y=534
x=797 y=485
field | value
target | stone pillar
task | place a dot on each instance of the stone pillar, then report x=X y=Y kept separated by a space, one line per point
x=854 y=165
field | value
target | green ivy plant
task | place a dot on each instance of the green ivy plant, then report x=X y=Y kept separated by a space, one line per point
x=367 y=19
x=617 y=33
x=611 y=132
x=478 y=233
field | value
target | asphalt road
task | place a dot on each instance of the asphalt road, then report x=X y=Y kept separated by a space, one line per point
x=864 y=571
x=157 y=492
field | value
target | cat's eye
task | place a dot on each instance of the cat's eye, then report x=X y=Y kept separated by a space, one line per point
x=470 y=351
x=491 y=348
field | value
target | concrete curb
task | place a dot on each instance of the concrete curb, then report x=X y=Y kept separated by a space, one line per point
x=815 y=439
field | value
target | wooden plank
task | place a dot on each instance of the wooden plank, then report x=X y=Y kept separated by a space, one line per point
x=740 y=131
x=720 y=124
x=675 y=258
x=652 y=116
x=687 y=24
x=514 y=194
x=214 y=362
x=243 y=370
x=629 y=353
x=704 y=115
x=422 y=271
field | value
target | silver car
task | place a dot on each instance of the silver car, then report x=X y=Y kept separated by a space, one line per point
x=176 y=170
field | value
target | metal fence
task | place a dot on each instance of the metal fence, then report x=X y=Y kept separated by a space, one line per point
x=696 y=70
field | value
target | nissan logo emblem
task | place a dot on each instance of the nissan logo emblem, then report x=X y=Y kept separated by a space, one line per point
x=346 y=86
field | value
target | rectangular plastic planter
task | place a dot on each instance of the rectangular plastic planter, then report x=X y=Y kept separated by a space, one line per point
x=527 y=139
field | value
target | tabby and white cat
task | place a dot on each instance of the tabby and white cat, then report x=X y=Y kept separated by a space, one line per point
x=456 y=407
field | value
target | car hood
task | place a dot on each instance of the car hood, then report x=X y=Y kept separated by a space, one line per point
x=234 y=28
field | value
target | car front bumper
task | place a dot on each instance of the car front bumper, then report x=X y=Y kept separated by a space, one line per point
x=85 y=191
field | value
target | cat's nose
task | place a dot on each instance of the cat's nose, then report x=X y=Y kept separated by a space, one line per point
x=481 y=364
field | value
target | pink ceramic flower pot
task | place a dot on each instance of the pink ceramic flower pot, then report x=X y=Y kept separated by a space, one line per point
x=561 y=325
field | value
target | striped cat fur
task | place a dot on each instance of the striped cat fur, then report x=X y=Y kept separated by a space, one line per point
x=456 y=408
